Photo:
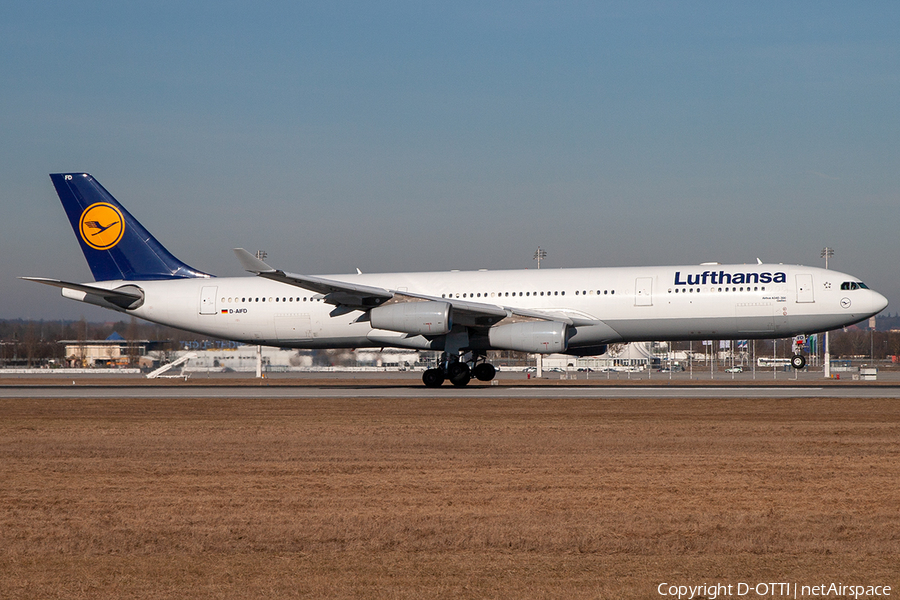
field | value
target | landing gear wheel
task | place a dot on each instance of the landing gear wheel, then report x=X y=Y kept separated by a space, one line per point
x=433 y=378
x=484 y=371
x=459 y=374
x=798 y=361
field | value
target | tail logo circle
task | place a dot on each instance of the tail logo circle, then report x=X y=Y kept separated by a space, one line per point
x=101 y=226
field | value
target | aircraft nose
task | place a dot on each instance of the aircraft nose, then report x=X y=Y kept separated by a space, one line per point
x=879 y=302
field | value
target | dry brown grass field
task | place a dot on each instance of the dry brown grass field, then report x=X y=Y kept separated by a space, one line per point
x=443 y=498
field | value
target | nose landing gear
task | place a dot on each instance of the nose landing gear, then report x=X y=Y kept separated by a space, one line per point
x=798 y=361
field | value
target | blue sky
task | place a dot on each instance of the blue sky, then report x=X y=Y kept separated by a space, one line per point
x=433 y=136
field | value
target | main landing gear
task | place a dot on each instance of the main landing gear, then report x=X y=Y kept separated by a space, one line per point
x=459 y=371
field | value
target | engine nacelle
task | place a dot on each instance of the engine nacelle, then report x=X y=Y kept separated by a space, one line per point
x=542 y=337
x=421 y=318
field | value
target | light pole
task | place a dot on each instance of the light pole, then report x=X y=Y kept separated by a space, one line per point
x=826 y=253
x=539 y=255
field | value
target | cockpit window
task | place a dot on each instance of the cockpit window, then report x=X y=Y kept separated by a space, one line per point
x=853 y=285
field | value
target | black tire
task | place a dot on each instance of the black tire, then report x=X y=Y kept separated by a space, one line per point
x=459 y=374
x=798 y=361
x=433 y=378
x=462 y=379
x=454 y=370
x=484 y=372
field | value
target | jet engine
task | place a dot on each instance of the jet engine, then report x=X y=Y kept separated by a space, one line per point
x=421 y=318
x=544 y=337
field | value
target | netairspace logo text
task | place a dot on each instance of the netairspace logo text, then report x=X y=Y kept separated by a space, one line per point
x=712 y=591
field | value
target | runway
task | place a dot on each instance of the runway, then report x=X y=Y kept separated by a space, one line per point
x=404 y=391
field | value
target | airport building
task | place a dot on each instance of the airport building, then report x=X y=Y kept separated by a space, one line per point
x=114 y=351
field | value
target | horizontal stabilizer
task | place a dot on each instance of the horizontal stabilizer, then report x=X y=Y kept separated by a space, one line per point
x=124 y=297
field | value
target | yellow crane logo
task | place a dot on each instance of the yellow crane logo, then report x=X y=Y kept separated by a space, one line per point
x=101 y=226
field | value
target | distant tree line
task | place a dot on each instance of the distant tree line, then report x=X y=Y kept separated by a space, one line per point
x=31 y=343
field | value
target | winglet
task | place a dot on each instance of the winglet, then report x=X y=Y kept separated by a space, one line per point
x=251 y=263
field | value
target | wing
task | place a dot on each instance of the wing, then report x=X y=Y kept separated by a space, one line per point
x=339 y=293
x=350 y=296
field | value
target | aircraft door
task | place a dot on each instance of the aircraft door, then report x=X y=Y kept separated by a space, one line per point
x=643 y=287
x=208 y=300
x=805 y=288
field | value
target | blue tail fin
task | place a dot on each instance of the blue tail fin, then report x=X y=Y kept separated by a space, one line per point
x=115 y=245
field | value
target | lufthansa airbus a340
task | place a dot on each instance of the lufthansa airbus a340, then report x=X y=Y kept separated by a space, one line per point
x=460 y=314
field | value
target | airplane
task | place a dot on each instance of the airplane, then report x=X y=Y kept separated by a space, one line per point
x=462 y=314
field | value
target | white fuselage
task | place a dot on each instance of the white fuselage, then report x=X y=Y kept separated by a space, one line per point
x=608 y=304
